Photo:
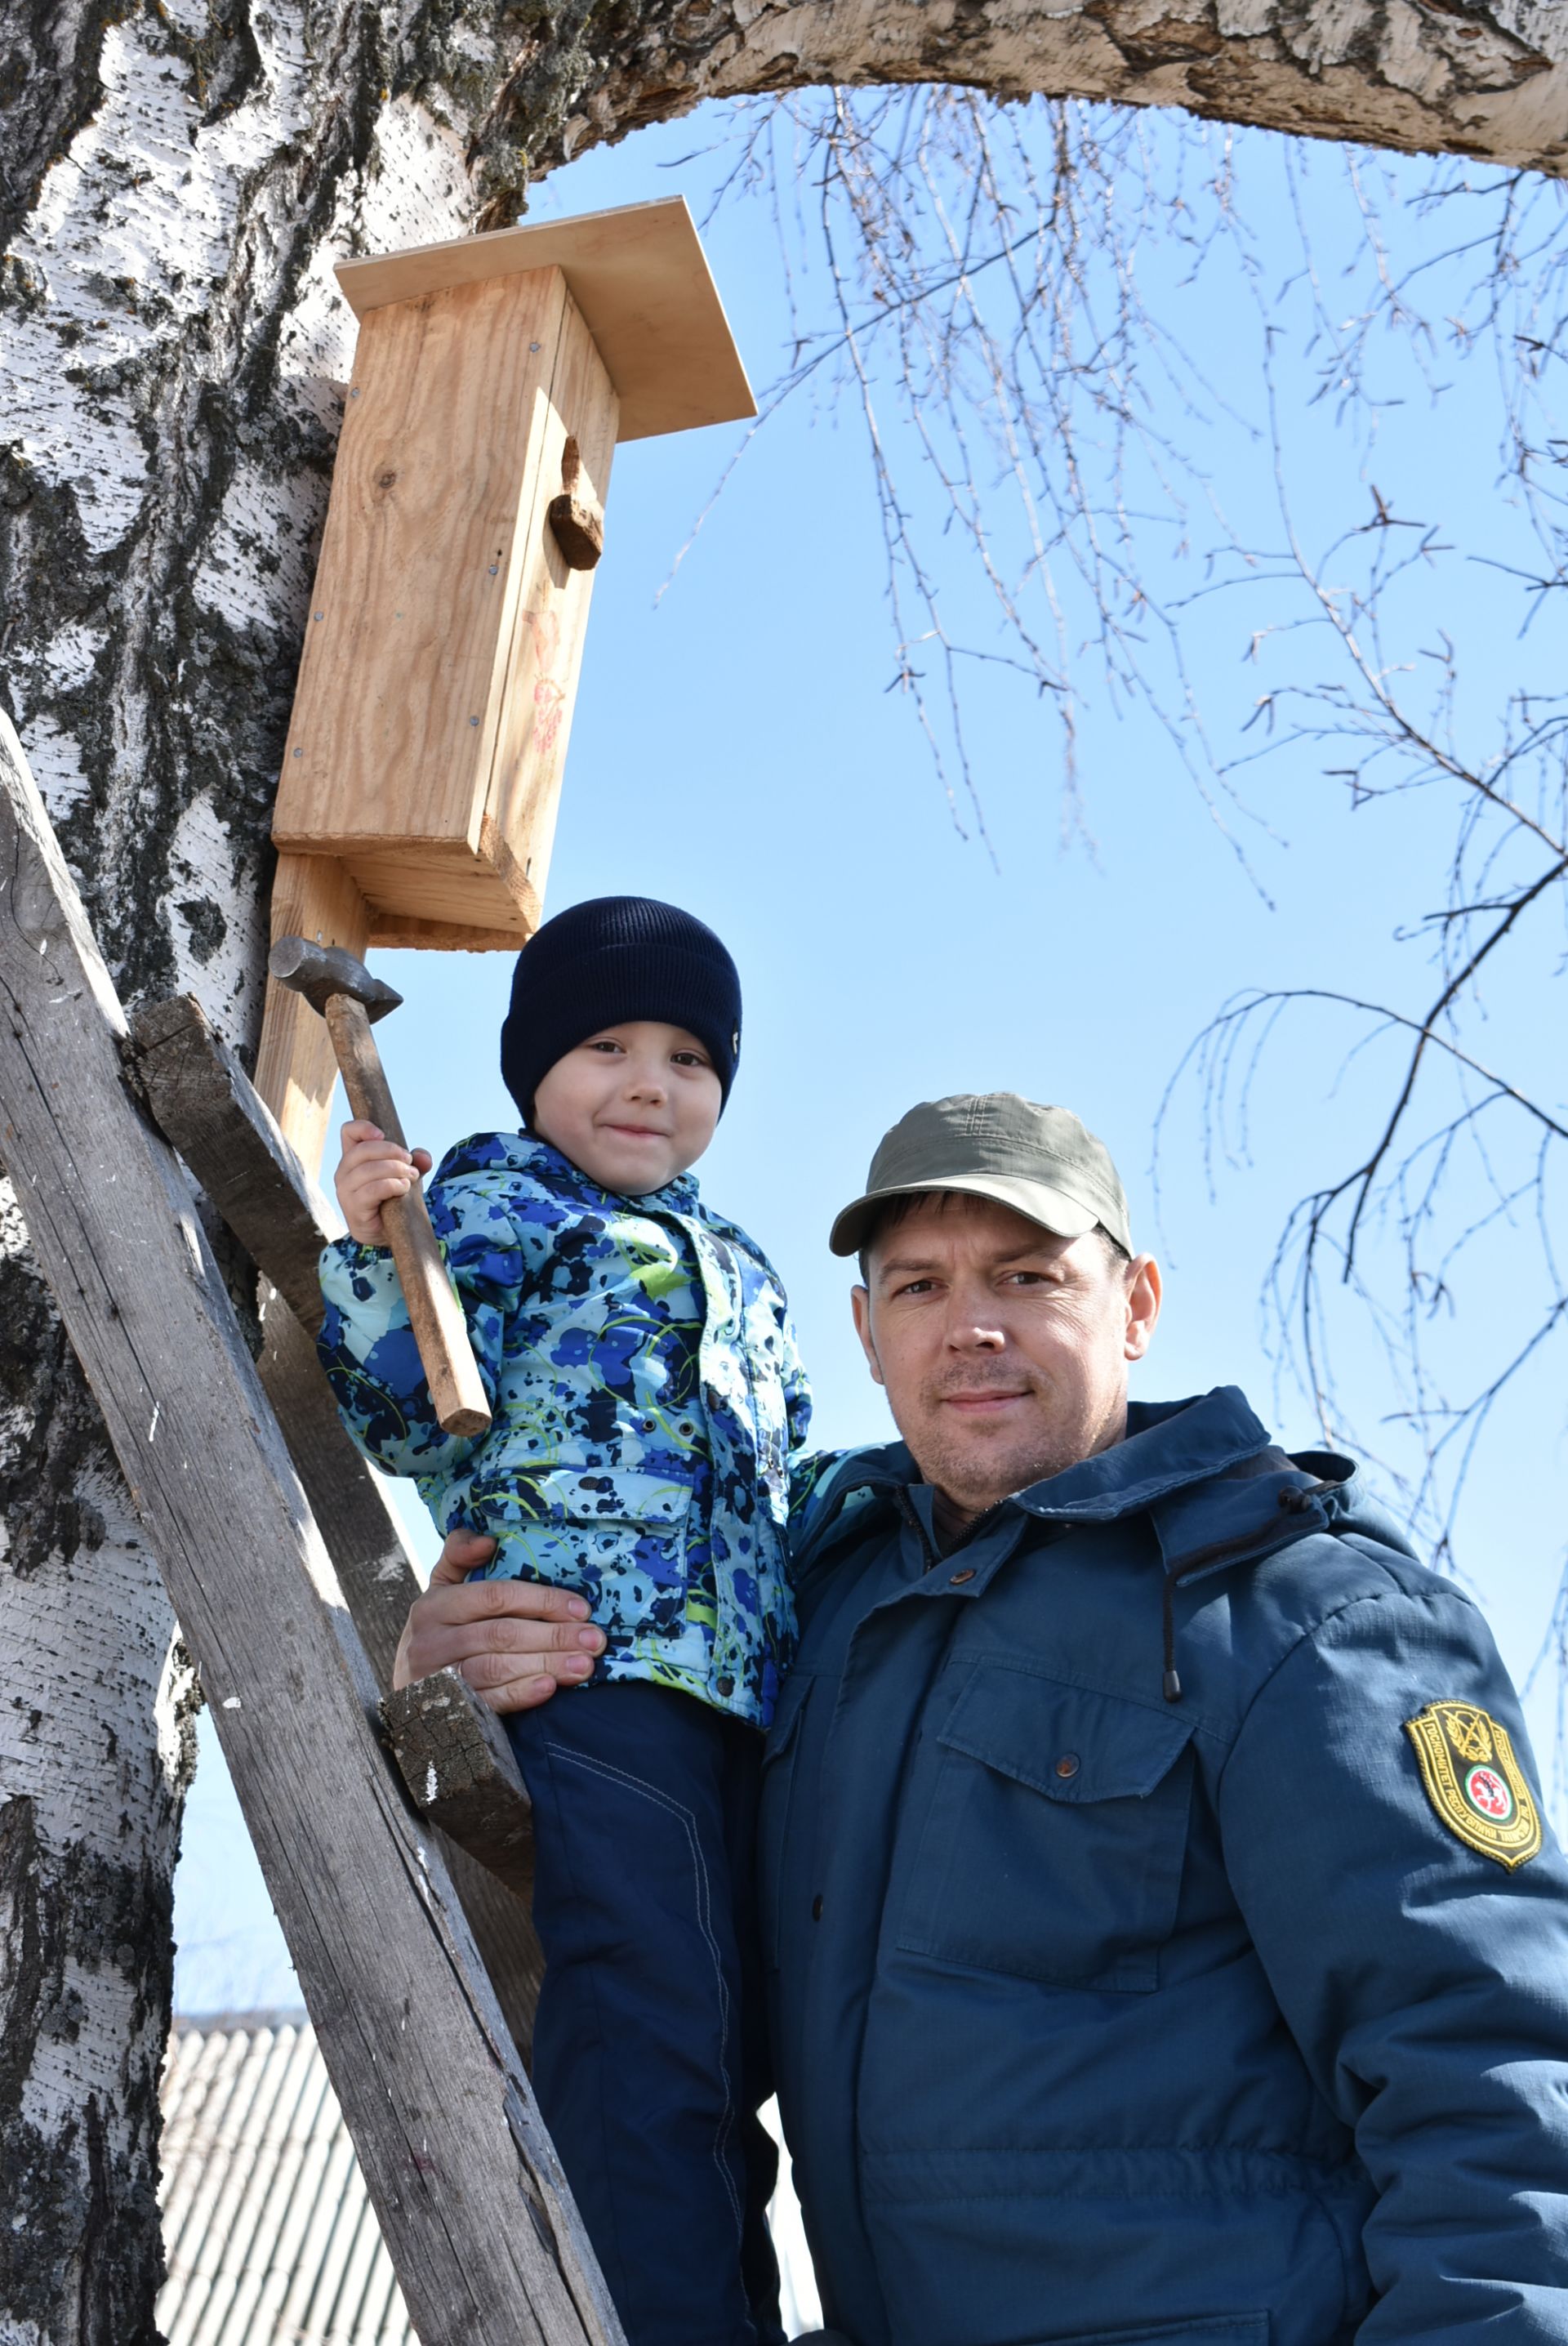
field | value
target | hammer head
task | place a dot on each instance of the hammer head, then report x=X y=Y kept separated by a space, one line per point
x=318 y=972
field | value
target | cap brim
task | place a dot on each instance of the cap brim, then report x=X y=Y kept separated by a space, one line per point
x=1035 y=1200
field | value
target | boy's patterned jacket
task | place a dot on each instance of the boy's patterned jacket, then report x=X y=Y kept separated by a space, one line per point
x=648 y=1404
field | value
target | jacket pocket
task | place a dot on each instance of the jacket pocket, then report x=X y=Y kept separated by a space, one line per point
x=1053 y=1843
x=586 y=1496
x=1197 y=2330
x=781 y=1746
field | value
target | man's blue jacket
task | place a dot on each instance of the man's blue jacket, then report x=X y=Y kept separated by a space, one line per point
x=1107 y=2016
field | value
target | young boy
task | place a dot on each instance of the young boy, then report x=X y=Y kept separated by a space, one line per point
x=647 y=1399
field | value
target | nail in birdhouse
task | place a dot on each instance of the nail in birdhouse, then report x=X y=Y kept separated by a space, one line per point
x=493 y=379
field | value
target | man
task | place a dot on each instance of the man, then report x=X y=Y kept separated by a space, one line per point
x=1165 y=1940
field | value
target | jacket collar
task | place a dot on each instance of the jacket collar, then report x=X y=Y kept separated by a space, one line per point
x=1168 y=1446
x=1217 y=1492
x=522 y=1153
x=1203 y=1470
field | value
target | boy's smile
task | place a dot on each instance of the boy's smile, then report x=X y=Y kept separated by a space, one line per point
x=632 y=1105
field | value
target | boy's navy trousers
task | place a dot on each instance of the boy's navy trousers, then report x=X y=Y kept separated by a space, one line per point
x=649 y=2046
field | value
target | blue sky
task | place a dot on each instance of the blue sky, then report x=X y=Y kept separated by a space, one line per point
x=736 y=748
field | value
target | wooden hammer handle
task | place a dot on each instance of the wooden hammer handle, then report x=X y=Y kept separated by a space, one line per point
x=434 y=1313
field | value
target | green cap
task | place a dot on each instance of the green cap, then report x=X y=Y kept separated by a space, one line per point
x=1041 y=1161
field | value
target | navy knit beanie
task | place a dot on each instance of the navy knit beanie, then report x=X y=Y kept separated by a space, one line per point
x=615 y=958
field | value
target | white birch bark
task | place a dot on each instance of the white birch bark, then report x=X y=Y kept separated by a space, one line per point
x=169 y=343
x=95 y=1753
x=174 y=185
x=1441 y=75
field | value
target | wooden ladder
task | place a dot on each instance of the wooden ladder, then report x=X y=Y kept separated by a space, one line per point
x=290 y=1582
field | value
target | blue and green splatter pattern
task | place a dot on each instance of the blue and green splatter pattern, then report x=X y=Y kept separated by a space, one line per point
x=648 y=1403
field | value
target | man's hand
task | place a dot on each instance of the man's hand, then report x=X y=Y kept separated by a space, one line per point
x=513 y=1641
x=373 y=1170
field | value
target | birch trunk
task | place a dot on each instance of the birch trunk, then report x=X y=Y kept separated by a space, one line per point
x=173 y=188
x=96 y=1748
x=175 y=179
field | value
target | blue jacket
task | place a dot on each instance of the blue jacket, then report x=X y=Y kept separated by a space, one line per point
x=648 y=1397
x=1101 y=2016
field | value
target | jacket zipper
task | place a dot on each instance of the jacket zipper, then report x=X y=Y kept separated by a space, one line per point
x=906 y=1508
x=910 y=1514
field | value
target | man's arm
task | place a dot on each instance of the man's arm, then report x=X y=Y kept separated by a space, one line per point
x=513 y=1641
x=1425 y=1982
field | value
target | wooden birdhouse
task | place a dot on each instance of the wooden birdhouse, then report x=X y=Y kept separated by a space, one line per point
x=493 y=379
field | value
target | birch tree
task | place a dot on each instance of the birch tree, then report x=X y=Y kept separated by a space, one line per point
x=175 y=181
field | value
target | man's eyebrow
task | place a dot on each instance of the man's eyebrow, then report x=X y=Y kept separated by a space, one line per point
x=902 y=1264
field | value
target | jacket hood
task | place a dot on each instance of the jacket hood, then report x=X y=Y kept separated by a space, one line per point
x=1218 y=1492
x=1169 y=1446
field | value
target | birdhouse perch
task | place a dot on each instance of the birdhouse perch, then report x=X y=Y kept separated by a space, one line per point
x=493 y=379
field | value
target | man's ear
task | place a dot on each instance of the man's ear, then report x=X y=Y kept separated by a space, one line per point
x=1145 y=1290
x=861 y=1305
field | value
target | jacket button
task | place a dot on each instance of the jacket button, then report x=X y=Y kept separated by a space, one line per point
x=957 y=1578
x=817 y=1907
x=1068 y=1764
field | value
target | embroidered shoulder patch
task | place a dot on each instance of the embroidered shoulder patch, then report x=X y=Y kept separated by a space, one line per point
x=1474 y=1782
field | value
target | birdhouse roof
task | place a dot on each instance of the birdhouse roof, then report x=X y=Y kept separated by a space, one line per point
x=641 y=280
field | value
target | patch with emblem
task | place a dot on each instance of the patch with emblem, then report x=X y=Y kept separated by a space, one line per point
x=1474 y=1782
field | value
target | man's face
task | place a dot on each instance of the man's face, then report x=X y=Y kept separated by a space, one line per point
x=1003 y=1349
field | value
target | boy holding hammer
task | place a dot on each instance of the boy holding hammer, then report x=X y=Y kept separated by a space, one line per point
x=647 y=1403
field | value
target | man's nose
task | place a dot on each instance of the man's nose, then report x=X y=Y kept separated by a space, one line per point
x=970 y=1328
x=645 y=1083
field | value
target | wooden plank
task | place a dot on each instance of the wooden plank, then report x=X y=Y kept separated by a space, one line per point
x=640 y=276
x=200 y=1097
x=432 y=893
x=197 y=1094
x=471 y=2200
x=349 y=1501
x=461 y=1772
x=394 y=727
x=396 y=929
x=296 y=1072
x=536 y=688
x=350 y=1504
x=202 y=1100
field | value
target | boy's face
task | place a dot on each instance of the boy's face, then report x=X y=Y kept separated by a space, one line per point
x=632 y=1106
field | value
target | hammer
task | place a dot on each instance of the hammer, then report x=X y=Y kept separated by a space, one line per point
x=349 y=999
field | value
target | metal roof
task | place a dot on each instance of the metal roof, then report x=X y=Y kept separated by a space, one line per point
x=268 y=2228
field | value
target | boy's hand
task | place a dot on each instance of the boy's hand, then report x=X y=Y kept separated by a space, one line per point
x=513 y=1641
x=374 y=1169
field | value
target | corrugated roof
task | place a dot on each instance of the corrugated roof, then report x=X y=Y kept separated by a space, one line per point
x=268 y=2228
x=267 y=2225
